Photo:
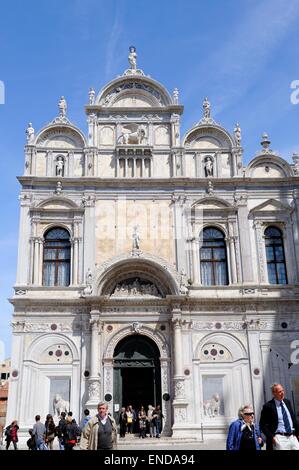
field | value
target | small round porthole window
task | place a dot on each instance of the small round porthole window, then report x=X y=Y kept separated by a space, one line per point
x=108 y=397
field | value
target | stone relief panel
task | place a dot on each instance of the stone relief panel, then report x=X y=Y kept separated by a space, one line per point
x=78 y=165
x=215 y=352
x=267 y=170
x=180 y=415
x=207 y=139
x=135 y=287
x=106 y=135
x=133 y=134
x=57 y=354
x=162 y=136
x=133 y=101
x=126 y=92
x=60 y=138
x=60 y=393
x=213 y=403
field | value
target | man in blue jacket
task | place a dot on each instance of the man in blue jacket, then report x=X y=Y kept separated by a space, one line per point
x=243 y=433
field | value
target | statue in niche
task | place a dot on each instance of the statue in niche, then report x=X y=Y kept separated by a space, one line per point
x=62 y=106
x=60 y=166
x=183 y=283
x=209 y=166
x=212 y=407
x=60 y=405
x=89 y=277
x=237 y=132
x=206 y=108
x=30 y=133
x=135 y=239
x=132 y=58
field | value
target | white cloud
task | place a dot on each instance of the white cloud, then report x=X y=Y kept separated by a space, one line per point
x=230 y=71
x=113 y=43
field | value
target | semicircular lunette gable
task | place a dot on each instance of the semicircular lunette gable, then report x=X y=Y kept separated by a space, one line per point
x=207 y=138
x=211 y=203
x=270 y=166
x=134 y=93
x=57 y=203
x=143 y=276
x=60 y=137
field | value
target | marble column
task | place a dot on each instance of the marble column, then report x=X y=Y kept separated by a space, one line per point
x=245 y=242
x=36 y=261
x=195 y=261
x=289 y=248
x=231 y=241
x=95 y=354
x=179 y=403
x=260 y=244
x=177 y=347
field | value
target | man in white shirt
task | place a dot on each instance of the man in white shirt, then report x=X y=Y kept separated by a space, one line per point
x=278 y=422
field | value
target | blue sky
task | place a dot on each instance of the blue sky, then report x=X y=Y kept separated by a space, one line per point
x=242 y=55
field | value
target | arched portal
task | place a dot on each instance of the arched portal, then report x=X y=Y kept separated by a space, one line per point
x=137 y=372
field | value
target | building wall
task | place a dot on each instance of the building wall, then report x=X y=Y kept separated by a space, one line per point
x=135 y=176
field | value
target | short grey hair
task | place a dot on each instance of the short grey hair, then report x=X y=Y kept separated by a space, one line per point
x=103 y=403
x=273 y=387
x=242 y=409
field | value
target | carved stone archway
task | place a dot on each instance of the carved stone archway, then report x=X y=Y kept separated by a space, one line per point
x=145 y=265
x=164 y=349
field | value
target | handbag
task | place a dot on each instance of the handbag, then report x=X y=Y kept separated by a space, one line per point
x=129 y=420
x=72 y=441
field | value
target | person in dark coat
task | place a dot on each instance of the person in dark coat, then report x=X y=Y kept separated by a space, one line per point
x=71 y=432
x=11 y=433
x=50 y=431
x=157 y=420
x=60 y=430
x=278 y=422
x=123 y=422
x=244 y=434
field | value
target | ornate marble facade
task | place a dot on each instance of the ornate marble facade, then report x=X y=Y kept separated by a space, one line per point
x=134 y=197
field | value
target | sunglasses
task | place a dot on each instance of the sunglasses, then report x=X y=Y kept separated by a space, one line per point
x=249 y=414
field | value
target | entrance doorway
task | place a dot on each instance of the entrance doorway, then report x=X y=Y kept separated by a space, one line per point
x=137 y=373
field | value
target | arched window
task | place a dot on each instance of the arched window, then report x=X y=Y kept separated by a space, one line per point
x=57 y=258
x=213 y=261
x=277 y=273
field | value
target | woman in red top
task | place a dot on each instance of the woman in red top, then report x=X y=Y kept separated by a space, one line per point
x=11 y=433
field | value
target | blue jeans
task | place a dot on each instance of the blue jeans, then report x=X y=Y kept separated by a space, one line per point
x=61 y=444
x=158 y=427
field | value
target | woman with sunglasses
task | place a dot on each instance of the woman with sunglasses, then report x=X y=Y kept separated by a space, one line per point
x=244 y=433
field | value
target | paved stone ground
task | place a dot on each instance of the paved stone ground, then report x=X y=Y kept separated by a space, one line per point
x=134 y=443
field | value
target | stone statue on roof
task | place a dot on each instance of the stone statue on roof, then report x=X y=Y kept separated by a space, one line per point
x=30 y=133
x=62 y=106
x=132 y=58
x=91 y=95
x=206 y=108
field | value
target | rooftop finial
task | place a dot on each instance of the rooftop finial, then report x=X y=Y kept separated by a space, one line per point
x=265 y=143
x=132 y=58
x=62 y=105
x=238 y=135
